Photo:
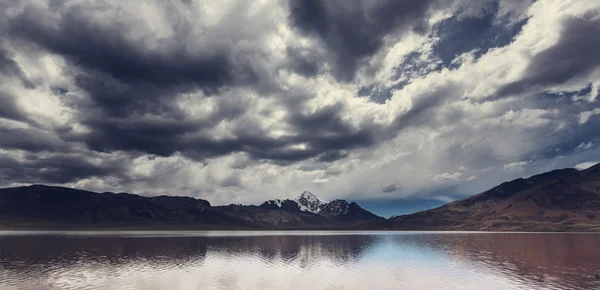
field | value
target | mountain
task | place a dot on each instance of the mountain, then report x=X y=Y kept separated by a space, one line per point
x=306 y=202
x=286 y=205
x=342 y=209
x=559 y=200
x=40 y=206
x=336 y=210
x=310 y=202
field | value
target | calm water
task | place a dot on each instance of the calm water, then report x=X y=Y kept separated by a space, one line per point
x=300 y=260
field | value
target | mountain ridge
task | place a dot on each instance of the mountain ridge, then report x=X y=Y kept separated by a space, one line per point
x=558 y=200
x=41 y=205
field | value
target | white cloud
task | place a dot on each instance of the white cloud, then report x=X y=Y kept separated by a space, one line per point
x=595 y=91
x=585 y=116
x=516 y=165
x=448 y=176
x=584 y=146
x=585 y=165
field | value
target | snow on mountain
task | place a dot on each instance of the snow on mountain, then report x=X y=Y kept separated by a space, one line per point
x=310 y=202
x=274 y=202
x=278 y=202
x=285 y=204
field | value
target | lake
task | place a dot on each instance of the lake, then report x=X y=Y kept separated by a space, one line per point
x=298 y=260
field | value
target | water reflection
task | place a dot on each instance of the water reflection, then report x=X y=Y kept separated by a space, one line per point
x=301 y=261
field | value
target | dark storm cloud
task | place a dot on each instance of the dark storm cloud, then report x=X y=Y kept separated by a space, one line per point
x=326 y=130
x=112 y=97
x=353 y=30
x=389 y=188
x=333 y=156
x=159 y=137
x=316 y=134
x=305 y=62
x=31 y=140
x=9 y=108
x=575 y=55
x=121 y=76
x=105 y=48
x=8 y=67
x=132 y=91
x=323 y=133
x=132 y=94
x=231 y=180
x=54 y=169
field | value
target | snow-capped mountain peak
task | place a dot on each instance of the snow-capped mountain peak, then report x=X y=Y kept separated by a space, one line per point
x=309 y=196
x=310 y=202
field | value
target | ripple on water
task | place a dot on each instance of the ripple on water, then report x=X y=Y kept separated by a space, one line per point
x=299 y=261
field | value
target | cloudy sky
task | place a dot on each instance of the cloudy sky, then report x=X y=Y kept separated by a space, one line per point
x=388 y=102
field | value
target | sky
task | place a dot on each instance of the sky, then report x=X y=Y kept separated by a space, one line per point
x=398 y=104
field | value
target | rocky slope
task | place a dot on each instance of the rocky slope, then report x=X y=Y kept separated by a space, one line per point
x=559 y=200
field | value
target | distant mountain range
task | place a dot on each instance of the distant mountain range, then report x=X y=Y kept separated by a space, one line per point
x=559 y=200
x=40 y=206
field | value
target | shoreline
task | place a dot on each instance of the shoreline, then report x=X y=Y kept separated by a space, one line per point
x=307 y=230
